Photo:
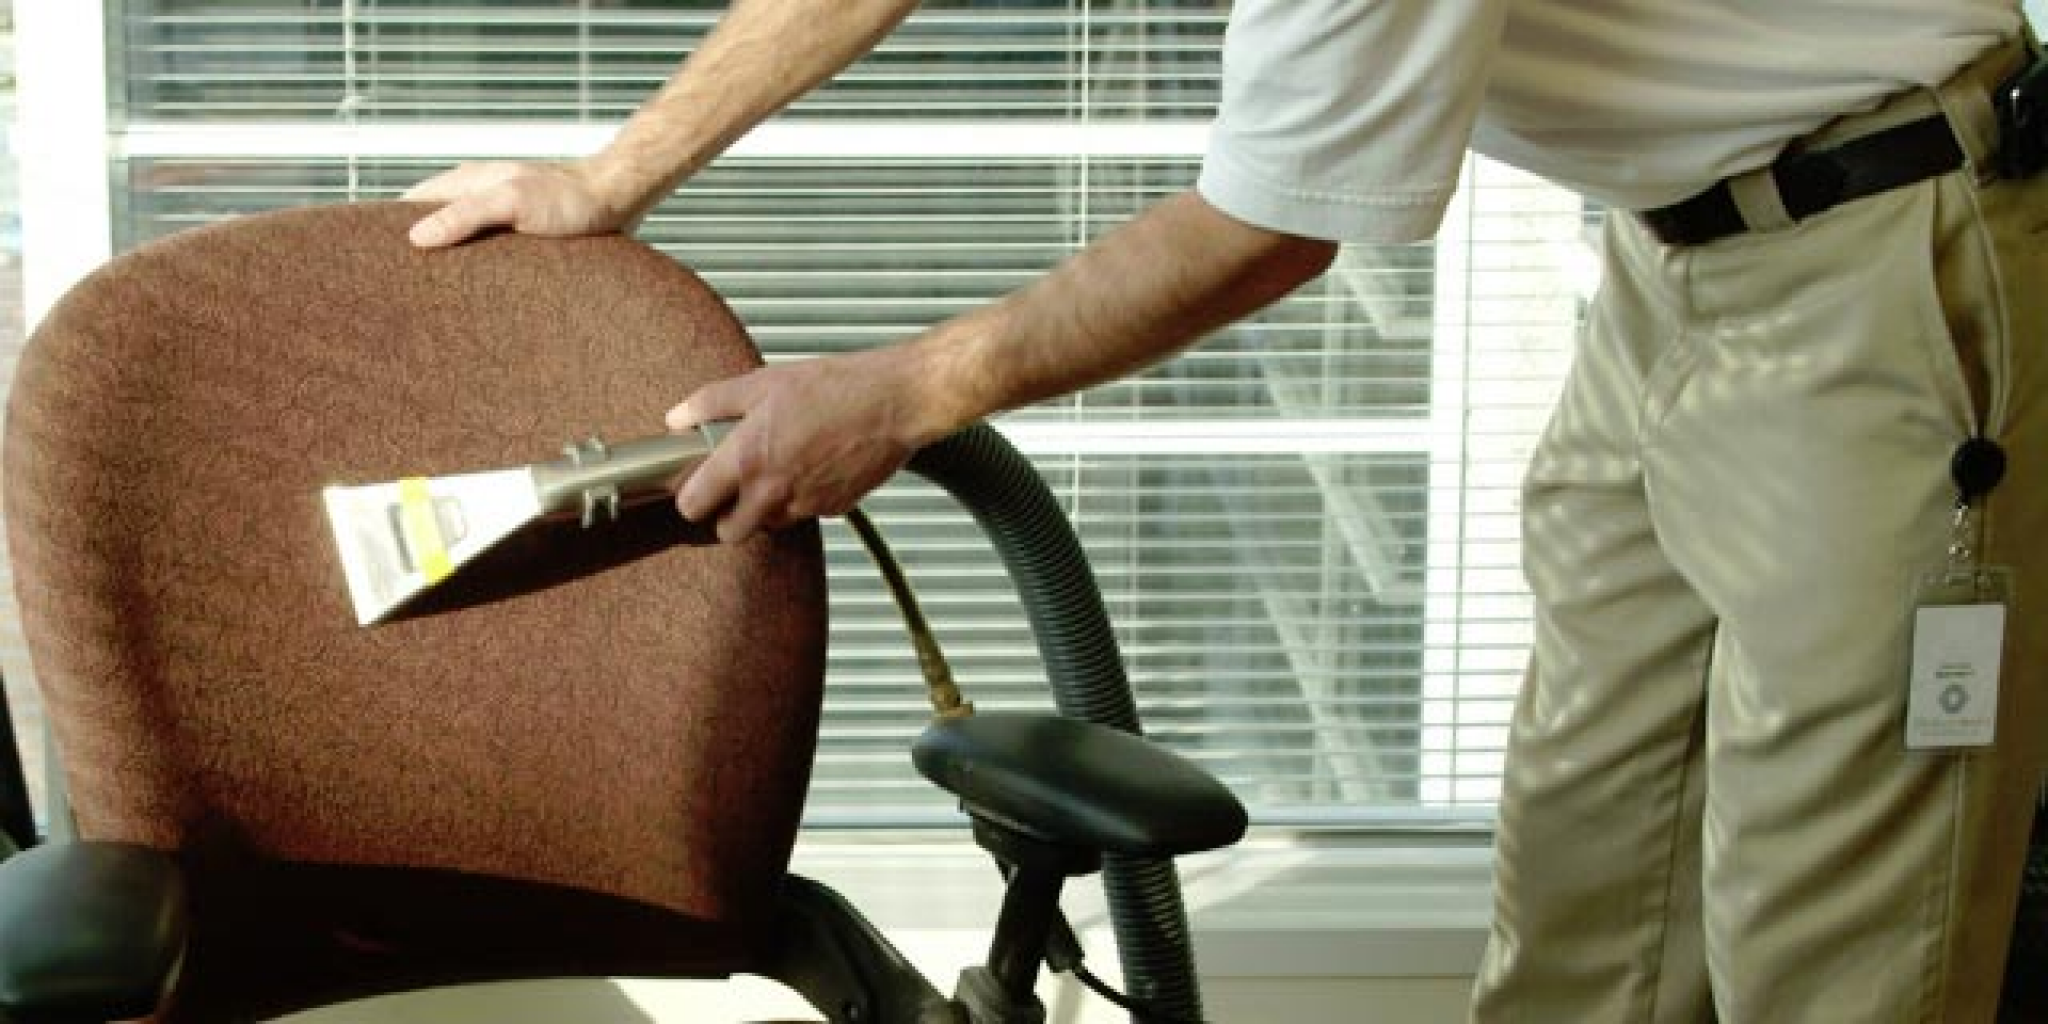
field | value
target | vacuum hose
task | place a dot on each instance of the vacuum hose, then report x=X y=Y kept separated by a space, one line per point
x=1037 y=544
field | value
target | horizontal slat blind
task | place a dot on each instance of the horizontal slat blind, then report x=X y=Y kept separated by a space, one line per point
x=209 y=59
x=1304 y=527
x=826 y=256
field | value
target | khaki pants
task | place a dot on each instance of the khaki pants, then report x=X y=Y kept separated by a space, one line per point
x=1709 y=809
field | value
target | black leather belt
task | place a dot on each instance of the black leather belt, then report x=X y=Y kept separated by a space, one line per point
x=1809 y=182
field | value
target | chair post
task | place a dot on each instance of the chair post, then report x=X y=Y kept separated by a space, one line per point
x=1004 y=989
x=17 y=813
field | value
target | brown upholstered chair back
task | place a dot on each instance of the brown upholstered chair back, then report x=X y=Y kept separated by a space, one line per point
x=584 y=753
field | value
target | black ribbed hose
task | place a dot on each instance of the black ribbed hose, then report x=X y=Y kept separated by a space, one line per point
x=1037 y=544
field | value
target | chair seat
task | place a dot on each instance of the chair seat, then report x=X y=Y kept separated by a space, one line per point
x=88 y=931
x=1077 y=783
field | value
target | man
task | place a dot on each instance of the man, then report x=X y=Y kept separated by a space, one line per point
x=1729 y=791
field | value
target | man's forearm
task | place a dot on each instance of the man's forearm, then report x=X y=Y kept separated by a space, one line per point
x=1137 y=295
x=761 y=56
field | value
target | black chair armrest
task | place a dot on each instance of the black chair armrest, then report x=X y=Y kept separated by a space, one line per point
x=88 y=931
x=1076 y=783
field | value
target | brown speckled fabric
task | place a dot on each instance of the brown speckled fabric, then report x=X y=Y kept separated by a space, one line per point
x=585 y=754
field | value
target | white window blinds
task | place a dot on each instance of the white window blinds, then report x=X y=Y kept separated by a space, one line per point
x=1304 y=528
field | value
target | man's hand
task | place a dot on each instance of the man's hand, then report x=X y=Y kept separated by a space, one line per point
x=813 y=438
x=558 y=200
x=761 y=55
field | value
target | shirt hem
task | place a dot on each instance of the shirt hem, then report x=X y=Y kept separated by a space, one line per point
x=1386 y=217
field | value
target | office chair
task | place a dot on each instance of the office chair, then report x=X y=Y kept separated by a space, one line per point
x=584 y=754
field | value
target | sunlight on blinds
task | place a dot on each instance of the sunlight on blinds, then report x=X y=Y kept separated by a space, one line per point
x=1304 y=528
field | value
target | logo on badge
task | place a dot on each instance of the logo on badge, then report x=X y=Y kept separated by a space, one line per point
x=1954 y=698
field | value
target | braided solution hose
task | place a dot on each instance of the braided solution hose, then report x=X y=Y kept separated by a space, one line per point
x=940 y=687
x=1037 y=544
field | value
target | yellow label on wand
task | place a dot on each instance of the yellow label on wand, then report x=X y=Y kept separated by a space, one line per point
x=421 y=528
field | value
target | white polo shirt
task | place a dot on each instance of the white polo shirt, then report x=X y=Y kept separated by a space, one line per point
x=1349 y=119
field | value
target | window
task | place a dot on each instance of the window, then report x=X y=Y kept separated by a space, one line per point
x=21 y=698
x=1304 y=528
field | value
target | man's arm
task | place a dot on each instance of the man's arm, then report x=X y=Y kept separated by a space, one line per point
x=816 y=435
x=761 y=56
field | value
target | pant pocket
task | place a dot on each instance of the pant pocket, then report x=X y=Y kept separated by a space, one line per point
x=1965 y=306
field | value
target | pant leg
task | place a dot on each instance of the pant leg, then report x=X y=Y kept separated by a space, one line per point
x=2003 y=787
x=1596 y=911
x=1801 y=482
x=1795 y=442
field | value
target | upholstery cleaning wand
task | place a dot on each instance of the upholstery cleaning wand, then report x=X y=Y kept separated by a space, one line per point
x=399 y=538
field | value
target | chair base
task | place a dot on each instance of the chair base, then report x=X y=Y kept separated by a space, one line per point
x=826 y=952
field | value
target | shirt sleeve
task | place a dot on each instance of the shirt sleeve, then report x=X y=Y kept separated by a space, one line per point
x=1348 y=120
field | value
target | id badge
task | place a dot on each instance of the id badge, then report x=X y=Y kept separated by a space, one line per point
x=1958 y=644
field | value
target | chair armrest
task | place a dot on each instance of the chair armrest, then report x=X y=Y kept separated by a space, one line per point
x=89 y=931
x=1079 y=784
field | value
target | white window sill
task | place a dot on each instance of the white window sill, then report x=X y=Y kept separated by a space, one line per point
x=1329 y=925
x=1264 y=909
